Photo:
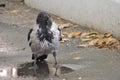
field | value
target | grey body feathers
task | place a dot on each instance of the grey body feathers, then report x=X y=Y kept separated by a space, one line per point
x=40 y=48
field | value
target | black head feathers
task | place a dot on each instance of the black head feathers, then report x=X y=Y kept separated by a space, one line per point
x=44 y=19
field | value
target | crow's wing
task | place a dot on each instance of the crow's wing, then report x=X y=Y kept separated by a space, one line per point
x=56 y=34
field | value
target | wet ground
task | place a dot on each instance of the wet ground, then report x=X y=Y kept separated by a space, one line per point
x=76 y=63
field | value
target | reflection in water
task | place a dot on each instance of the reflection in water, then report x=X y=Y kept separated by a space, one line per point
x=8 y=72
x=27 y=69
x=43 y=70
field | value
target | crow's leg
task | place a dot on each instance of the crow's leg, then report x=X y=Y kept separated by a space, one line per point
x=56 y=64
x=35 y=64
x=33 y=56
x=54 y=55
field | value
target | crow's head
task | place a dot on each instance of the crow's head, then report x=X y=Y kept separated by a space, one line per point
x=44 y=19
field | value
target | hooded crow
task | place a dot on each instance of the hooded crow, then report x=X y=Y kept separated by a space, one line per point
x=44 y=38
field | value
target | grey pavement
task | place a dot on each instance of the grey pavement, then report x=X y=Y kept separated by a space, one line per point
x=76 y=63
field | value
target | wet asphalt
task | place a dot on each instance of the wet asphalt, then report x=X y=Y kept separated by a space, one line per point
x=76 y=63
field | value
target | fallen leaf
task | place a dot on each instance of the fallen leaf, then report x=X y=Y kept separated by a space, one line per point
x=111 y=41
x=76 y=58
x=100 y=36
x=67 y=25
x=58 y=18
x=75 y=35
x=83 y=45
x=64 y=40
x=107 y=35
x=86 y=39
x=93 y=33
x=14 y=11
x=99 y=40
x=118 y=47
x=93 y=42
x=83 y=35
x=65 y=33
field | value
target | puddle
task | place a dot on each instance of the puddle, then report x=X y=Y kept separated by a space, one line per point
x=44 y=70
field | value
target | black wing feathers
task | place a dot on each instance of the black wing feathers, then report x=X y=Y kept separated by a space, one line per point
x=29 y=34
x=60 y=39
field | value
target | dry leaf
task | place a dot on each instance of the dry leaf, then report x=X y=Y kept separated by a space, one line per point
x=83 y=45
x=118 y=47
x=67 y=25
x=93 y=33
x=14 y=11
x=75 y=35
x=93 y=42
x=83 y=35
x=86 y=39
x=76 y=58
x=64 y=40
x=99 y=40
x=107 y=35
x=65 y=33
x=100 y=36
x=112 y=40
